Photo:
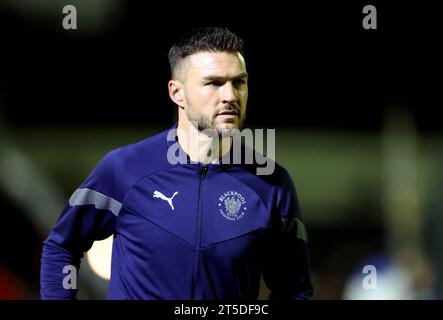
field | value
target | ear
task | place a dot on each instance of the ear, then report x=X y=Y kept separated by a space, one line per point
x=176 y=94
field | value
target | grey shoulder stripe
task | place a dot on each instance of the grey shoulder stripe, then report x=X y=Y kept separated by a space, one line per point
x=289 y=224
x=301 y=230
x=87 y=196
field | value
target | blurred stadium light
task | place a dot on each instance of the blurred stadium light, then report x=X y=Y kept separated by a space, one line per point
x=99 y=258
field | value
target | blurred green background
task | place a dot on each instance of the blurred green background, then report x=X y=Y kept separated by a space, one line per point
x=354 y=207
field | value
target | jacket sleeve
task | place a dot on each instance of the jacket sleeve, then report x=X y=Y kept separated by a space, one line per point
x=90 y=215
x=286 y=264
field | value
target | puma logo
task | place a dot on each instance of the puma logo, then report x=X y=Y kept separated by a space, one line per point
x=158 y=194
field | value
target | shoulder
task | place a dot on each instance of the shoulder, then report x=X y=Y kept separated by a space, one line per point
x=278 y=182
x=147 y=152
x=269 y=180
x=269 y=170
x=123 y=166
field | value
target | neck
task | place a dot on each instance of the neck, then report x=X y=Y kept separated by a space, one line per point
x=199 y=146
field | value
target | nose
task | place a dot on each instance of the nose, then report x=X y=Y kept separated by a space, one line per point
x=229 y=93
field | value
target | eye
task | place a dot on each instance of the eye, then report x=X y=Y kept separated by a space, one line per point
x=239 y=82
x=214 y=83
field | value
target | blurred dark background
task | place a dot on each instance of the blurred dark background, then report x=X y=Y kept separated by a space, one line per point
x=356 y=113
x=311 y=64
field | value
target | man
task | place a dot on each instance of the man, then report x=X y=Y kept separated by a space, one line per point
x=203 y=227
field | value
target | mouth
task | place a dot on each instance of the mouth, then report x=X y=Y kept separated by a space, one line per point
x=228 y=114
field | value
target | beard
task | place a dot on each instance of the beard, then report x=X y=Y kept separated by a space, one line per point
x=216 y=125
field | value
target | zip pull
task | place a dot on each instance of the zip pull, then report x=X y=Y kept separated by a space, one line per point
x=203 y=172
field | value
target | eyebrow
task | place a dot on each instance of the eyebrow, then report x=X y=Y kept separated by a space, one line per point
x=217 y=78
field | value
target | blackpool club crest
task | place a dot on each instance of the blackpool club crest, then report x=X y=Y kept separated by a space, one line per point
x=232 y=205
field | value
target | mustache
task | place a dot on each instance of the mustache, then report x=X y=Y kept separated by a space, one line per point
x=229 y=107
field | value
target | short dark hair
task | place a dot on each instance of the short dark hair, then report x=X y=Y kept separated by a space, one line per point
x=212 y=39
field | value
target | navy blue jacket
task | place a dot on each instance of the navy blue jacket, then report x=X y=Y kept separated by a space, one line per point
x=182 y=231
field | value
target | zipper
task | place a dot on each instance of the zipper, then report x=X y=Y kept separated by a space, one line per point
x=202 y=174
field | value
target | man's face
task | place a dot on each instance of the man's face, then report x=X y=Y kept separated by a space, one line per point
x=215 y=90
